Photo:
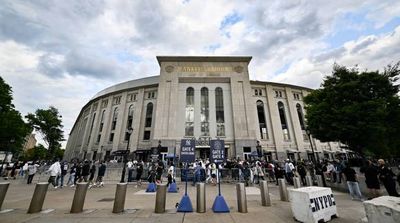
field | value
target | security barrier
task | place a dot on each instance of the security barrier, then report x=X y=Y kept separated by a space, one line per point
x=283 y=190
x=119 y=201
x=201 y=198
x=3 y=191
x=38 y=197
x=265 y=198
x=79 y=197
x=161 y=197
x=241 y=198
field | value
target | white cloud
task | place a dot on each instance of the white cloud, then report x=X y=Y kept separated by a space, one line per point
x=370 y=52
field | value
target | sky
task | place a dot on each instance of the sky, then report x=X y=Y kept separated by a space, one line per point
x=61 y=53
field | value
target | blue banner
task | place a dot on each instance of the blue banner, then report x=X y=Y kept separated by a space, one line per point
x=187 y=150
x=217 y=151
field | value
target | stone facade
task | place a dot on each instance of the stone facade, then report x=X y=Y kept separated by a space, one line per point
x=218 y=88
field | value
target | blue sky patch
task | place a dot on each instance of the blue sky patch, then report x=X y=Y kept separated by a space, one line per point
x=230 y=19
x=352 y=26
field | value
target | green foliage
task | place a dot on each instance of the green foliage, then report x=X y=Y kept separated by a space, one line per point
x=48 y=123
x=13 y=129
x=59 y=153
x=360 y=109
x=5 y=96
x=37 y=153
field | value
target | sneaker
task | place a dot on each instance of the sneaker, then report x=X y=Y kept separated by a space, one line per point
x=73 y=185
x=55 y=187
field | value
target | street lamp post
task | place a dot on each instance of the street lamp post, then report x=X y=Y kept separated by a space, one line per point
x=312 y=147
x=129 y=131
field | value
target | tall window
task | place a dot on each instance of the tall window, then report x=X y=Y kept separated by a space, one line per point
x=114 y=120
x=282 y=116
x=91 y=127
x=129 y=121
x=189 y=119
x=102 y=121
x=219 y=111
x=261 y=120
x=149 y=115
x=301 y=116
x=204 y=115
x=147 y=124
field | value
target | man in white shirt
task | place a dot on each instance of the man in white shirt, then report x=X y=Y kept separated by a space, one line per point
x=54 y=170
x=130 y=170
x=289 y=167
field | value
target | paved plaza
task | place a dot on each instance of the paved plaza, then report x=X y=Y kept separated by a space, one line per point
x=140 y=206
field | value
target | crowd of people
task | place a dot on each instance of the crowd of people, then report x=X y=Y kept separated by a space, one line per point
x=250 y=172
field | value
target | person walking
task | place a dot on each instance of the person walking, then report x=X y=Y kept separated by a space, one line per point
x=32 y=169
x=139 y=172
x=100 y=174
x=54 y=170
x=196 y=173
x=352 y=183
x=64 y=171
x=85 y=170
x=129 y=165
x=72 y=172
x=92 y=173
x=170 y=174
x=78 y=173
x=301 y=169
x=289 y=171
x=386 y=175
x=371 y=179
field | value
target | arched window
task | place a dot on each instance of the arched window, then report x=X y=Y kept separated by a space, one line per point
x=114 y=120
x=102 y=121
x=129 y=121
x=261 y=120
x=204 y=113
x=301 y=116
x=219 y=111
x=189 y=119
x=284 y=125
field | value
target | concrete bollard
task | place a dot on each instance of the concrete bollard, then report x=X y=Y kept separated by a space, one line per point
x=38 y=197
x=283 y=190
x=309 y=181
x=319 y=181
x=296 y=182
x=3 y=191
x=265 y=198
x=79 y=197
x=241 y=198
x=119 y=201
x=201 y=198
x=161 y=197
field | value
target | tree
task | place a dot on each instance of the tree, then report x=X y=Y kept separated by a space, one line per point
x=13 y=129
x=39 y=152
x=359 y=109
x=48 y=123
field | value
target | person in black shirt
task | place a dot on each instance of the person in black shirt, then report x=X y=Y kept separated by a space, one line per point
x=86 y=171
x=386 y=175
x=371 y=179
x=352 y=184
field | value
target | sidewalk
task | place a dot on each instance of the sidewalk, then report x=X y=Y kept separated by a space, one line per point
x=140 y=205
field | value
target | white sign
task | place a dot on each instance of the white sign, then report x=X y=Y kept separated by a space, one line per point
x=313 y=204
